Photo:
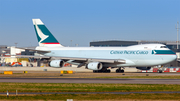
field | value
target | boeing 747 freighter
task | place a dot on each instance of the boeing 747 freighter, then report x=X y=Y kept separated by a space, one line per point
x=99 y=59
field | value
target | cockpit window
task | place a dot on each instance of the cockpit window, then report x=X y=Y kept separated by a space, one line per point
x=163 y=47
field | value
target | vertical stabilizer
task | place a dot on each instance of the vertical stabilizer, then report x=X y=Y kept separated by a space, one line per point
x=44 y=36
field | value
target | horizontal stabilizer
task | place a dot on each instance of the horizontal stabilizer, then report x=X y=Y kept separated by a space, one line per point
x=34 y=50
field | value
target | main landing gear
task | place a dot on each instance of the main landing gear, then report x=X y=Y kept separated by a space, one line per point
x=119 y=70
x=102 y=71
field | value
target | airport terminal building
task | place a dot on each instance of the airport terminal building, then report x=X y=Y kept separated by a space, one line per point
x=118 y=43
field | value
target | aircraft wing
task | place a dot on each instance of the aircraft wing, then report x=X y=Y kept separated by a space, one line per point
x=72 y=59
x=76 y=59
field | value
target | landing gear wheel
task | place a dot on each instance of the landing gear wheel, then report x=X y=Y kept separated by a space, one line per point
x=122 y=71
x=119 y=71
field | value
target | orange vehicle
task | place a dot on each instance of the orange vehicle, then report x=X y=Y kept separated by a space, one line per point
x=16 y=64
x=67 y=65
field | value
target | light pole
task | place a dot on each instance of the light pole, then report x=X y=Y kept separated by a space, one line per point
x=16 y=44
x=177 y=35
x=71 y=43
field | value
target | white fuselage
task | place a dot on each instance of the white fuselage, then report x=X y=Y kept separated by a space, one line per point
x=136 y=56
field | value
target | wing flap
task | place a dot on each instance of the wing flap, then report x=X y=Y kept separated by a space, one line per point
x=108 y=60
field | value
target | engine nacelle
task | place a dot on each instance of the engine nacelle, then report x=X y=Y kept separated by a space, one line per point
x=143 y=68
x=94 y=66
x=56 y=63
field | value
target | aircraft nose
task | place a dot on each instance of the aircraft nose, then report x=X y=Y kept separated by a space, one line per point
x=175 y=57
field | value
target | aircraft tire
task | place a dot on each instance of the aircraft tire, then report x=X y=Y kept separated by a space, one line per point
x=117 y=70
x=105 y=71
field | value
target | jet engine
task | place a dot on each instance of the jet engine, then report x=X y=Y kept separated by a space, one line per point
x=56 y=63
x=143 y=68
x=94 y=66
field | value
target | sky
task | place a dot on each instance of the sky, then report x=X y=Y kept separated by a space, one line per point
x=80 y=22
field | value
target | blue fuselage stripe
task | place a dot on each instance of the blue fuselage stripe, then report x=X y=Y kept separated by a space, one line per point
x=162 y=52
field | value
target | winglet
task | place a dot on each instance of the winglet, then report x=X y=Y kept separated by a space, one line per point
x=44 y=36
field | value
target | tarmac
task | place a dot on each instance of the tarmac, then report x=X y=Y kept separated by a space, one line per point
x=91 y=80
x=73 y=68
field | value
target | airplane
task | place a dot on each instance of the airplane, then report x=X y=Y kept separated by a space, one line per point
x=98 y=59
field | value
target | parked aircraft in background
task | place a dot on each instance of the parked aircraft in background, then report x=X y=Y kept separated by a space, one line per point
x=99 y=59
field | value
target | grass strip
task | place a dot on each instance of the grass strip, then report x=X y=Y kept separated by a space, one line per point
x=106 y=97
x=73 y=87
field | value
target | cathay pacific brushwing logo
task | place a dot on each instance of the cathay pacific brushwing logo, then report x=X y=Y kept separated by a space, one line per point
x=153 y=52
x=40 y=34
